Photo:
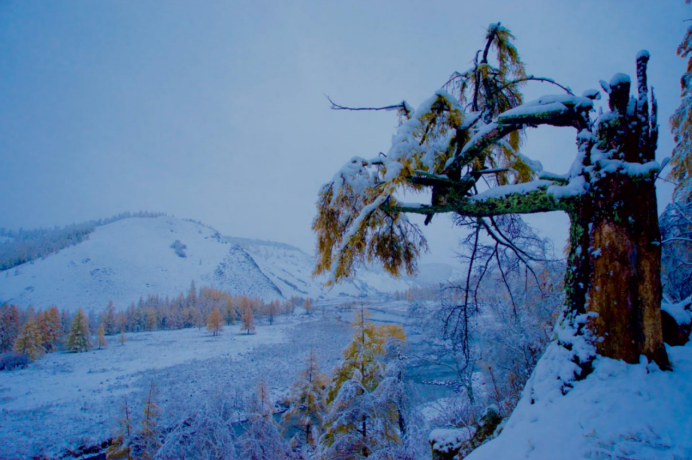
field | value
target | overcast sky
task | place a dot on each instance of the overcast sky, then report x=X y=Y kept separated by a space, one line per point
x=215 y=110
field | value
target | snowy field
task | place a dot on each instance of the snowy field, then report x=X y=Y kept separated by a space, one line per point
x=68 y=400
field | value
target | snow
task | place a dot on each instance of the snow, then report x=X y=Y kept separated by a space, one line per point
x=619 y=79
x=448 y=439
x=133 y=258
x=681 y=312
x=619 y=411
x=65 y=400
x=504 y=190
x=643 y=54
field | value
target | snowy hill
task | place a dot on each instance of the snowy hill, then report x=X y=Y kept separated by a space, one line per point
x=133 y=257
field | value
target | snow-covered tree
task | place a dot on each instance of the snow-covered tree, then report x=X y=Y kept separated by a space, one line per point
x=10 y=327
x=101 y=341
x=108 y=318
x=207 y=434
x=307 y=402
x=681 y=123
x=361 y=421
x=455 y=143
x=121 y=338
x=79 y=339
x=29 y=341
x=215 y=321
x=120 y=447
x=51 y=328
x=307 y=306
x=248 y=319
x=262 y=439
x=149 y=435
x=229 y=311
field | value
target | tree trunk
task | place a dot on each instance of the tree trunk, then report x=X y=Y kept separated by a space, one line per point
x=615 y=256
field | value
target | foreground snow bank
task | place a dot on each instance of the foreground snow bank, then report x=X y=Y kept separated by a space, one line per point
x=619 y=411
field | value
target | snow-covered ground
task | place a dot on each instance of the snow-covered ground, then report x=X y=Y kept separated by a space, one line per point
x=68 y=400
x=620 y=411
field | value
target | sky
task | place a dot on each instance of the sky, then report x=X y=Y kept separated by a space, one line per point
x=216 y=111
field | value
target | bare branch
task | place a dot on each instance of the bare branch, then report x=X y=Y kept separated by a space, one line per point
x=335 y=106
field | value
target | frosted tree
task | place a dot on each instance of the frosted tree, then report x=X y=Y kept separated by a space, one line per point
x=262 y=439
x=10 y=327
x=29 y=341
x=79 y=339
x=360 y=421
x=215 y=321
x=681 y=123
x=272 y=310
x=192 y=295
x=676 y=221
x=101 y=341
x=307 y=306
x=121 y=338
x=149 y=435
x=248 y=319
x=108 y=319
x=207 y=434
x=454 y=144
x=229 y=311
x=51 y=328
x=120 y=447
x=307 y=401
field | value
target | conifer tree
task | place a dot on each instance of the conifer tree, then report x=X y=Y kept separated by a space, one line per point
x=307 y=306
x=463 y=145
x=51 y=328
x=29 y=341
x=272 y=310
x=192 y=295
x=121 y=338
x=10 y=327
x=248 y=319
x=214 y=323
x=109 y=319
x=681 y=123
x=120 y=445
x=360 y=422
x=307 y=402
x=101 y=337
x=229 y=311
x=79 y=339
x=149 y=436
x=262 y=439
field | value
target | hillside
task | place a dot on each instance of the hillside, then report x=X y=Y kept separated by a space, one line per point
x=133 y=257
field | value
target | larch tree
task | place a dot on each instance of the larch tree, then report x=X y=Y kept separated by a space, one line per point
x=229 y=311
x=101 y=341
x=120 y=447
x=359 y=421
x=51 y=328
x=248 y=319
x=676 y=221
x=149 y=436
x=10 y=327
x=79 y=339
x=307 y=401
x=215 y=321
x=454 y=144
x=109 y=319
x=29 y=341
x=307 y=306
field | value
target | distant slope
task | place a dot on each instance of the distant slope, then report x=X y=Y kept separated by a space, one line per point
x=132 y=258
